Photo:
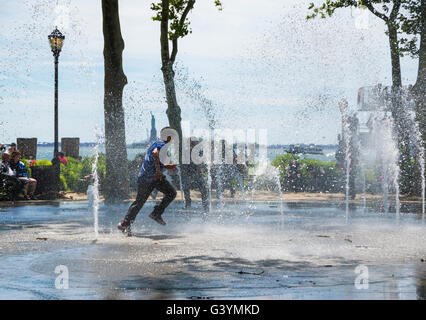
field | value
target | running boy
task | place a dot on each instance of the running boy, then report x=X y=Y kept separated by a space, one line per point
x=150 y=177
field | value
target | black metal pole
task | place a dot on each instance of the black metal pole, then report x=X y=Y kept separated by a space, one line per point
x=57 y=166
x=55 y=152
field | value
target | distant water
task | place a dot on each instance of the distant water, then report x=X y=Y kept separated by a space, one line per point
x=46 y=153
x=327 y=155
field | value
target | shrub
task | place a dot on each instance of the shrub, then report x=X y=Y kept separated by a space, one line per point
x=330 y=181
x=43 y=163
x=64 y=185
x=73 y=174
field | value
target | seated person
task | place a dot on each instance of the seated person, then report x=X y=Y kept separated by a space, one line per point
x=22 y=174
x=12 y=148
x=7 y=176
x=5 y=168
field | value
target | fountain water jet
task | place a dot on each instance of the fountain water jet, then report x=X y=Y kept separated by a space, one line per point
x=364 y=187
x=266 y=169
x=180 y=183
x=421 y=162
x=241 y=183
x=387 y=149
x=343 y=106
x=209 y=184
x=93 y=190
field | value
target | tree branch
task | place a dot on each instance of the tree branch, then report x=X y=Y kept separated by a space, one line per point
x=174 y=50
x=373 y=10
x=395 y=10
x=185 y=13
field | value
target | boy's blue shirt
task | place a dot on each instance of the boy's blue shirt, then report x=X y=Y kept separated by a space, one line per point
x=147 y=170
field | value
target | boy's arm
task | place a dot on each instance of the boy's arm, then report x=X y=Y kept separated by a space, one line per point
x=156 y=156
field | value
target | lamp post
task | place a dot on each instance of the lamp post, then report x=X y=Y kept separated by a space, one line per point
x=56 y=40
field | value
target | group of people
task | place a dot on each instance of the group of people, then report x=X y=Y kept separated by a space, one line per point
x=151 y=179
x=13 y=172
x=223 y=175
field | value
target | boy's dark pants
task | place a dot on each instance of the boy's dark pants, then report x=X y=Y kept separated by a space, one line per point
x=144 y=190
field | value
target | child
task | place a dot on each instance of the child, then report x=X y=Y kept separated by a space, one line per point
x=150 y=177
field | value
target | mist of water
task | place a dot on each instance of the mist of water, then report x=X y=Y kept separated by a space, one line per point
x=266 y=171
x=421 y=162
x=387 y=150
x=347 y=135
x=209 y=184
x=93 y=190
x=180 y=182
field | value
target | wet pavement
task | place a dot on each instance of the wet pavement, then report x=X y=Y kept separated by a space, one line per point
x=241 y=251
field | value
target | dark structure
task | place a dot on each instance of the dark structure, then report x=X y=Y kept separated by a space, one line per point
x=27 y=147
x=46 y=178
x=70 y=147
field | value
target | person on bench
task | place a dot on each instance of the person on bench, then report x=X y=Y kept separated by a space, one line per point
x=21 y=173
x=7 y=177
x=12 y=148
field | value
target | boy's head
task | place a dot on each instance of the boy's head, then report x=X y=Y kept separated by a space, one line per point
x=166 y=134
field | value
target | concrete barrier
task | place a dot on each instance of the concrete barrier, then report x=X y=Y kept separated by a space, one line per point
x=27 y=147
x=70 y=147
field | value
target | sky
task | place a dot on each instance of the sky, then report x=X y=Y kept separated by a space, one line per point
x=257 y=64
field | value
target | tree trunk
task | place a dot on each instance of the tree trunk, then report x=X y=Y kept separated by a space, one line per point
x=116 y=185
x=173 y=110
x=394 y=51
x=419 y=91
x=420 y=86
x=399 y=115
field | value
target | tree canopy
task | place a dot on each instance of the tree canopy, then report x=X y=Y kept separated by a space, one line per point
x=177 y=16
x=404 y=15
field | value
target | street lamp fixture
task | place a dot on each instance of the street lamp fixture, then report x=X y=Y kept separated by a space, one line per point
x=56 y=40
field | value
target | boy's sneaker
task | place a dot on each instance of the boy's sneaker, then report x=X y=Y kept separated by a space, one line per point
x=157 y=218
x=124 y=227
